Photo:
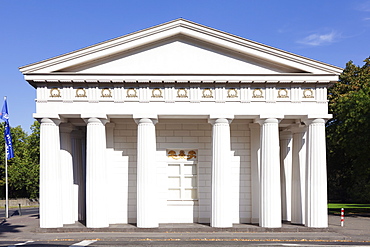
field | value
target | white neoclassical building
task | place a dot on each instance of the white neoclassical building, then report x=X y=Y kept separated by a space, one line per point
x=182 y=123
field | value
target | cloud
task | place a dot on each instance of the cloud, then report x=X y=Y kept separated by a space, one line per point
x=317 y=39
x=364 y=6
x=284 y=29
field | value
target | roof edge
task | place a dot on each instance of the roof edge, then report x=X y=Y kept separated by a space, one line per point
x=182 y=22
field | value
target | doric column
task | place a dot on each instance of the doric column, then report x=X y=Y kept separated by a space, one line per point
x=221 y=173
x=316 y=183
x=51 y=211
x=299 y=175
x=67 y=173
x=147 y=211
x=96 y=174
x=286 y=173
x=270 y=198
x=79 y=172
x=255 y=170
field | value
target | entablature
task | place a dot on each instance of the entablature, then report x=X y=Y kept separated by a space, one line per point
x=272 y=92
x=303 y=78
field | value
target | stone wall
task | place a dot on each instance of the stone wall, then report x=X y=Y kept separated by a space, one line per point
x=22 y=201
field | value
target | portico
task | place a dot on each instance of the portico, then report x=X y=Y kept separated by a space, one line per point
x=182 y=123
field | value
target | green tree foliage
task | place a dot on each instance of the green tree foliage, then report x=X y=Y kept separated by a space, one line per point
x=348 y=135
x=23 y=169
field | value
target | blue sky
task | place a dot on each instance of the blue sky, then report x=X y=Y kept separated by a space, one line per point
x=333 y=32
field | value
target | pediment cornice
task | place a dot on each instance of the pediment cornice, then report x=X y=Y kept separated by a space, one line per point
x=180 y=27
x=61 y=78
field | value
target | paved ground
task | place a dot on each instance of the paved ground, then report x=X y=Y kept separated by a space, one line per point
x=24 y=230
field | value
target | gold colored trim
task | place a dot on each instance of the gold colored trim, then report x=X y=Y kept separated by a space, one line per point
x=80 y=92
x=308 y=93
x=182 y=93
x=257 y=93
x=157 y=93
x=131 y=93
x=55 y=93
x=104 y=91
x=192 y=155
x=283 y=93
x=182 y=155
x=205 y=95
x=232 y=93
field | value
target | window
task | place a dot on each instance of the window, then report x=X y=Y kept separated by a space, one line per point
x=182 y=177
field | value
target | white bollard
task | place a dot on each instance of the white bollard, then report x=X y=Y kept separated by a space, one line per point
x=342 y=217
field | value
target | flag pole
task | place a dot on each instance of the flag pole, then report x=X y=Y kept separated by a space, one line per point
x=6 y=185
x=9 y=153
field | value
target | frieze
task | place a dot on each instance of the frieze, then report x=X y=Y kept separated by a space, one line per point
x=182 y=93
x=257 y=93
x=80 y=93
x=55 y=93
x=131 y=93
x=283 y=93
x=207 y=93
x=106 y=93
x=194 y=94
x=232 y=93
x=308 y=93
x=157 y=93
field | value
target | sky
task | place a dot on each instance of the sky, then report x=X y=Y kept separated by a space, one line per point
x=329 y=31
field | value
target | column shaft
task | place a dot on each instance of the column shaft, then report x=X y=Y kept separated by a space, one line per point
x=255 y=170
x=221 y=174
x=299 y=177
x=96 y=174
x=67 y=173
x=51 y=211
x=79 y=172
x=316 y=184
x=270 y=198
x=286 y=173
x=146 y=169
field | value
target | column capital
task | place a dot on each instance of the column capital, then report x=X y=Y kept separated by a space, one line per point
x=267 y=120
x=92 y=120
x=145 y=115
x=50 y=121
x=217 y=116
x=94 y=115
x=146 y=120
x=309 y=121
x=326 y=117
x=214 y=121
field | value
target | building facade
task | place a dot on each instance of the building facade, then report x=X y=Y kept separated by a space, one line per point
x=182 y=123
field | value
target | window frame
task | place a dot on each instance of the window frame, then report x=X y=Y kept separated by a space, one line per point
x=182 y=163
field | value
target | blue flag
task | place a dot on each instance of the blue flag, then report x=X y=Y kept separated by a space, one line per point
x=4 y=115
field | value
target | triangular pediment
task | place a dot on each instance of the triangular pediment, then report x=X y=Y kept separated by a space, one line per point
x=180 y=47
x=180 y=55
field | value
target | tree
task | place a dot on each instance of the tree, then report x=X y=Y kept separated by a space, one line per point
x=23 y=169
x=348 y=135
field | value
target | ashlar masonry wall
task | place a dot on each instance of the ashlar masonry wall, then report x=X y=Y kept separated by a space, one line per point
x=241 y=170
x=177 y=134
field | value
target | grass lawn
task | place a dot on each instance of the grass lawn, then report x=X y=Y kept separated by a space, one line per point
x=349 y=209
